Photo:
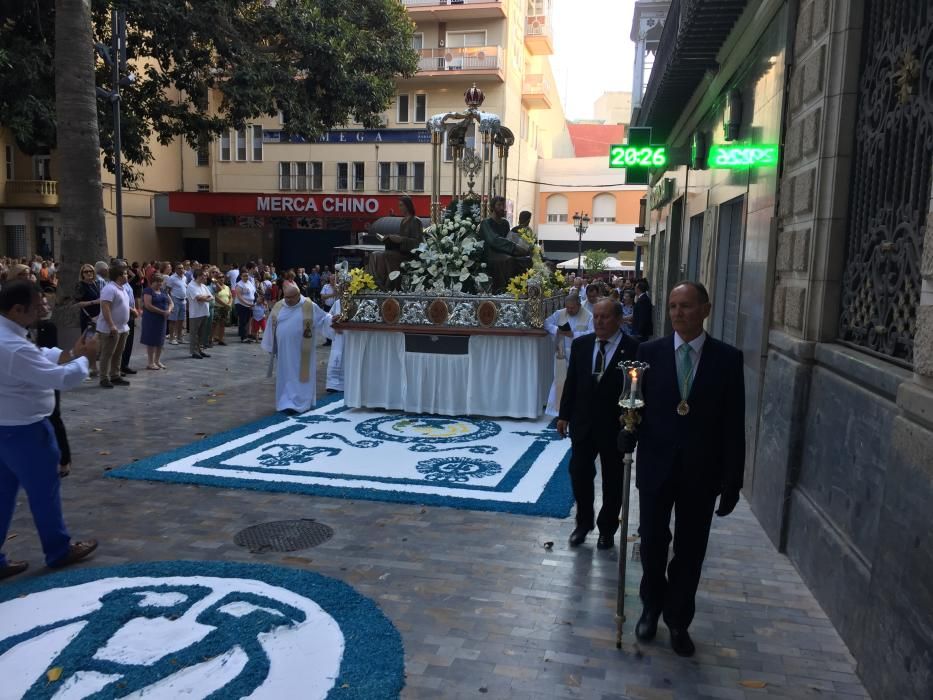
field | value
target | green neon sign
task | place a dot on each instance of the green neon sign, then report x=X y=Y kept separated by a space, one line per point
x=742 y=156
x=627 y=156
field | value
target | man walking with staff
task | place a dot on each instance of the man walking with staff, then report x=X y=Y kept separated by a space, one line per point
x=691 y=450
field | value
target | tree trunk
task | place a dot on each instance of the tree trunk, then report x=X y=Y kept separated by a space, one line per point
x=80 y=196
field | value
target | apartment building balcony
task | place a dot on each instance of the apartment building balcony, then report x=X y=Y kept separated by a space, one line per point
x=538 y=35
x=31 y=193
x=447 y=10
x=473 y=62
x=536 y=92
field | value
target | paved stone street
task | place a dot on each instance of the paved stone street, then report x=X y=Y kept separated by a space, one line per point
x=485 y=609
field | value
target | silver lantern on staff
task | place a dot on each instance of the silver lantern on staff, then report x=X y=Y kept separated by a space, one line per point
x=631 y=402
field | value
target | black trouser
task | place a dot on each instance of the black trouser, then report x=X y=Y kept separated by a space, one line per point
x=674 y=594
x=128 y=348
x=244 y=315
x=582 y=473
x=59 y=427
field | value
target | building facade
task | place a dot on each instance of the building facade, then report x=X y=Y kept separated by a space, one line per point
x=799 y=191
x=255 y=192
x=294 y=201
x=587 y=185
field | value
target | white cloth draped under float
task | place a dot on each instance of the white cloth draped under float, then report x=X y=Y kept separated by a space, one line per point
x=286 y=336
x=335 y=361
x=581 y=324
x=504 y=376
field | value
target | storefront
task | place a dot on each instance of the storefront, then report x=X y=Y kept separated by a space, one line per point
x=294 y=230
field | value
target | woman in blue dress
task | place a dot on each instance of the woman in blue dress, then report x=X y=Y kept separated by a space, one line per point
x=157 y=305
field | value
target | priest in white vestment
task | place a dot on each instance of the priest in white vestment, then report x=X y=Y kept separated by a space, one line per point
x=570 y=322
x=335 y=361
x=291 y=337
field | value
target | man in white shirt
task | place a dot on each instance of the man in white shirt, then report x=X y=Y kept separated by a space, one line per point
x=199 y=298
x=29 y=452
x=177 y=287
x=245 y=293
x=113 y=326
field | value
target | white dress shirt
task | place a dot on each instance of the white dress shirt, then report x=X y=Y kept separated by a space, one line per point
x=197 y=309
x=696 y=350
x=29 y=375
x=611 y=348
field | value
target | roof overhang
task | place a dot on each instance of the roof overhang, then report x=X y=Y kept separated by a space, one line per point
x=694 y=33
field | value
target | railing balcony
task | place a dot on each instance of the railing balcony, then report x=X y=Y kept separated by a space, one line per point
x=474 y=61
x=31 y=193
x=538 y=36
x=536 y=92
x=442 y=10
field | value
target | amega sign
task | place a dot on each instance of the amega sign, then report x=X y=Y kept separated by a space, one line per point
x=300 y=204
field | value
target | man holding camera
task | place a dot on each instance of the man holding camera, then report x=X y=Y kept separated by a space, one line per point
x=29 y=454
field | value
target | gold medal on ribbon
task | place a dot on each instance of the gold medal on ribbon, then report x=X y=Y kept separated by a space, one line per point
x=683 y=408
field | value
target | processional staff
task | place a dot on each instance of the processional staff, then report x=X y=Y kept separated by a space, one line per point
x=631 y=402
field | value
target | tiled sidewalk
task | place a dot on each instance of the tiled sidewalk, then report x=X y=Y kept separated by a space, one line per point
x=485 y=608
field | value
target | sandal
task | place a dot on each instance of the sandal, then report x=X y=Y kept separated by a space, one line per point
x=64 y=470
x=76 y=552
x=161 y=366
x=12 y=568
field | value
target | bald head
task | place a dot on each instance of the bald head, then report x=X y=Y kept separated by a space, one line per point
x=291 y=293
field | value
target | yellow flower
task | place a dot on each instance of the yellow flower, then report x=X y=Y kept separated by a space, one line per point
x=360 y=280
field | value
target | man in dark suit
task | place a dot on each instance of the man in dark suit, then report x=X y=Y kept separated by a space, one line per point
x=691 y=449
x=642 y=325
x=589 y=408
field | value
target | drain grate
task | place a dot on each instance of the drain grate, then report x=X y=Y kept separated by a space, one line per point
x=283 y=536
x=636 y=551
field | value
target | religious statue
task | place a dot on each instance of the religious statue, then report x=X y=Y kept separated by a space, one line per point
x=504 y=259
x=398 y=247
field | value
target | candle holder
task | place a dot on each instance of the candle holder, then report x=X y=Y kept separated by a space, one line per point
x=631 y=401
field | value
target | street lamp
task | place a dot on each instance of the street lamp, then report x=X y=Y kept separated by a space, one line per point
x=580 y=222
x=115 y=58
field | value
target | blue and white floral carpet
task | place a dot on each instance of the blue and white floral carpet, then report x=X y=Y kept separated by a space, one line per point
x=516 y=466
x=192 y=629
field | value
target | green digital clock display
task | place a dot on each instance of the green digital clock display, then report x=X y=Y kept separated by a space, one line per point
x=742 y=156
x=628 y=156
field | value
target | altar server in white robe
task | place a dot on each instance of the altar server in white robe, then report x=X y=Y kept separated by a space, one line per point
x=291 y=337
x=335 y=361
x=570 y=322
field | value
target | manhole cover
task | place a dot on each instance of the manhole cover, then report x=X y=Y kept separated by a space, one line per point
x=283 y=536
x=636 y=551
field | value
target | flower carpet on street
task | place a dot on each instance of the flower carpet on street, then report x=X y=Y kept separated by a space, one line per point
x=195 y=630
x=516 y=466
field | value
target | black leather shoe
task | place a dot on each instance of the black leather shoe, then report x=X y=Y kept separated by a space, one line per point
x=681 y=642
x=578 y=535
x=127 y=370
x=605 y=542
x=647 y=625
x=204 y=354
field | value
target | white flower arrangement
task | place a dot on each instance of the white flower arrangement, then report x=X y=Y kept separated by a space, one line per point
x=449 y=258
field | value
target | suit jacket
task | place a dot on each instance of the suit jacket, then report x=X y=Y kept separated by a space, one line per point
x=642 y=325
x=710 y=439
x=591 y=407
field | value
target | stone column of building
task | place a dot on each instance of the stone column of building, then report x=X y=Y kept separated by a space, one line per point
x=844 y=463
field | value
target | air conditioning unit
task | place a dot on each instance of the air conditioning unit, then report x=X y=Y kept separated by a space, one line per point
x=204 y=188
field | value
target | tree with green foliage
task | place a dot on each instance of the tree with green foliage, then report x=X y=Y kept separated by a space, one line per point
x=593 y=260
x=202 y=67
